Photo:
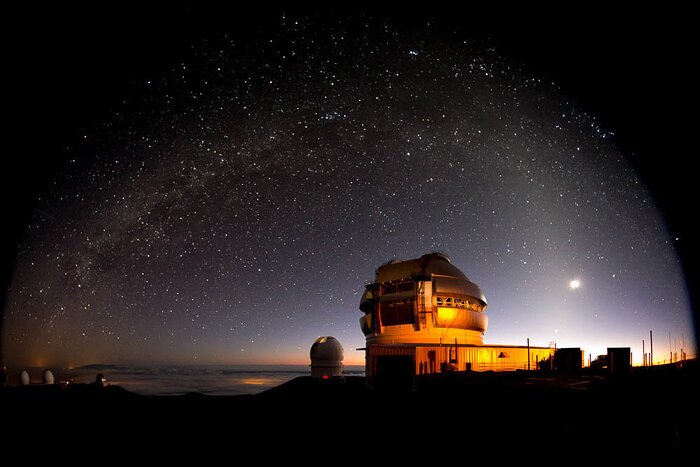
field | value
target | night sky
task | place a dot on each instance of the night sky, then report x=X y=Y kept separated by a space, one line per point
x=222 y=195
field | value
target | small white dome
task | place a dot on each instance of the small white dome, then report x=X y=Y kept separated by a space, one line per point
x=48 y=377
x=24 y=378
x=326 y=358
x=325 y=349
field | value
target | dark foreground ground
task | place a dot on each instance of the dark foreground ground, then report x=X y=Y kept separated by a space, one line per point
x=652 y=413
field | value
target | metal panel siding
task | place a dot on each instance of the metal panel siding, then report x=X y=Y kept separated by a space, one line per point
x=462 y=319
x=374 y=351
x=450 y=285
x=389 y=350
x=366 y=323
x=399 y=270
x=484 y=358
x=427 y=289
x=398 y=296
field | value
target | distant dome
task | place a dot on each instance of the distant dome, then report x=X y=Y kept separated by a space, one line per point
x=47 y=377
x=24 y=378
x=326 y=357
x=100 y=379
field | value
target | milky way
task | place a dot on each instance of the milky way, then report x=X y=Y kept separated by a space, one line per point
x=233 y=207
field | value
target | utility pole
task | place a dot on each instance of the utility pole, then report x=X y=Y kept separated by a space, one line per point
x=528 y=354
x=651 y=349
x=670 y=350
x=644 y=355
x=682 y=345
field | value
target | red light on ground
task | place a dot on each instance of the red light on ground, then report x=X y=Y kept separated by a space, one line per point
x=325 y=376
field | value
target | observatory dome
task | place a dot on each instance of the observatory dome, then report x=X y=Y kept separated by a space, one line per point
x=326 y=357
x=431 y=264
x=426 y=300
x=47 y=377
x=424 y=316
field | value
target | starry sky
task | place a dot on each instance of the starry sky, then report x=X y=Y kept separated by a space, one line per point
x=232 y=196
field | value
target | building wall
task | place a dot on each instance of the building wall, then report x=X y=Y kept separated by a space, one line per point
x=436 y=358
x=436 y=311
x=569 y=359
x=619 y=360
x=429 y=323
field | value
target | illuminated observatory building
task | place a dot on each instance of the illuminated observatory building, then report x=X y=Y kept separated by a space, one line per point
x=425 y=316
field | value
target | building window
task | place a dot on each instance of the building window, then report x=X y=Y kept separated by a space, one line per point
x=399 y=287
x=398 y=312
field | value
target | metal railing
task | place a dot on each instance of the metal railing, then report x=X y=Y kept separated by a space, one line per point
x=503 y=366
